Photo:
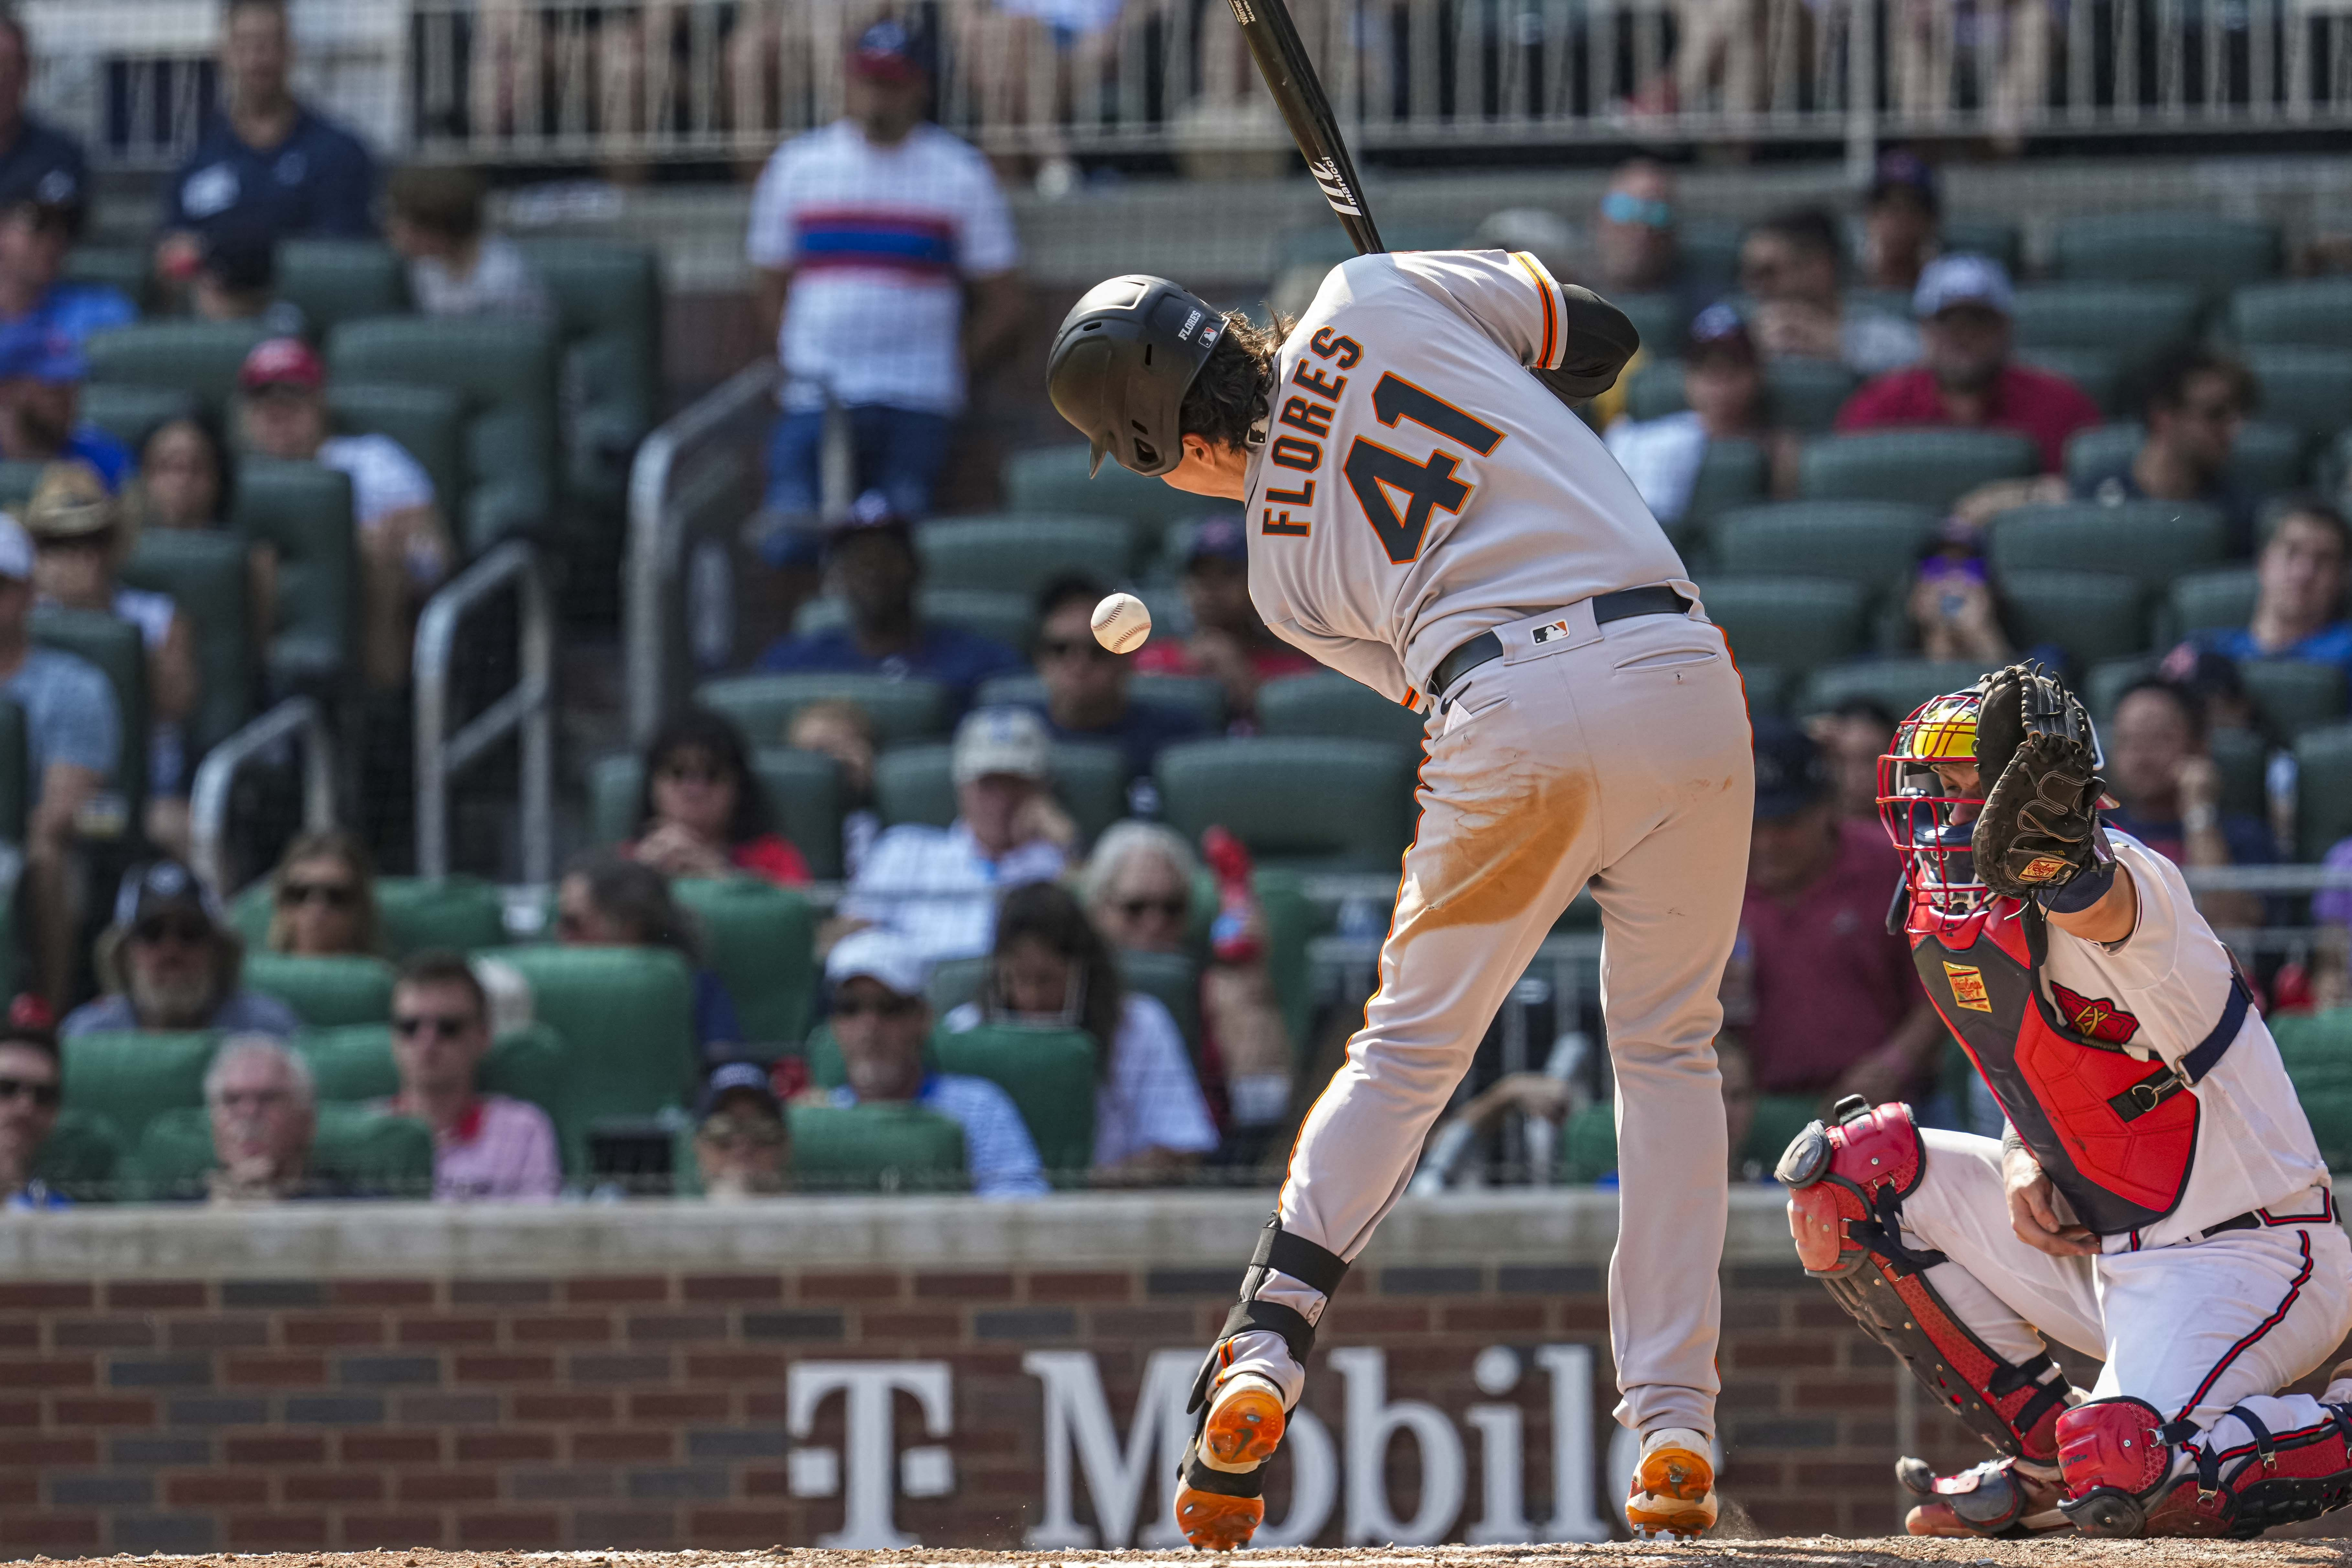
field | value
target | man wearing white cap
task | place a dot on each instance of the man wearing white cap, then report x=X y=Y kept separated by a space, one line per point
x=937 y=887
x=881 y=1017
x=1967 y=377
x=73 y=739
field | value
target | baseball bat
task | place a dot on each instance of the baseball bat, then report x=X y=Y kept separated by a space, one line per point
x=1281 y=58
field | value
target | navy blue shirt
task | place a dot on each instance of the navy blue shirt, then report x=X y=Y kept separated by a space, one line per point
x=1139 y=732
x=956 y=658
x=319 y=182
x=43 y=164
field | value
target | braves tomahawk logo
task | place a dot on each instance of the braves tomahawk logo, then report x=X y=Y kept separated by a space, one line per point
x=2095 y=1017
x=1335 y=186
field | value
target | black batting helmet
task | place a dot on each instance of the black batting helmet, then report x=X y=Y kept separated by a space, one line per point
x=1122 y=363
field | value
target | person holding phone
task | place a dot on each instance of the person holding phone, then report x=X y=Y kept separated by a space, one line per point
x=1954 y=612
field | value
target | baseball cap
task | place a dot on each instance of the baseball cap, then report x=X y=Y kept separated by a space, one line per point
x=1002 y=740
x=16 y=550
x=891 y=51
x=1900 y=169
x=1962 y=279
x=162 y=885
x=738 y=1078
x=1719 y=329
x=1789 y=773
x=281 y=361
x=870 y=512
x=36 y=353
x=48 y=179
x=1219 y=539
x=70 y=501
x=885 y=957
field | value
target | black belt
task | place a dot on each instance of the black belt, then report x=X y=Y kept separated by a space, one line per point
x=1623 y=605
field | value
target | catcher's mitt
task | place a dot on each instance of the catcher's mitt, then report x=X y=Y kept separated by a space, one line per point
x=2037 y=830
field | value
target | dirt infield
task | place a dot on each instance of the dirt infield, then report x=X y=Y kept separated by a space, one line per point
x=1786 y=1551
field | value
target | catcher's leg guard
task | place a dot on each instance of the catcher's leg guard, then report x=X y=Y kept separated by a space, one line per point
x=1237 y=1422
x=1847 y=1179
x=2121 y=1460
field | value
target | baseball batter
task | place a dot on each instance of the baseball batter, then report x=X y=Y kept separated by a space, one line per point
x=1428 y=516
x=2157 y=1201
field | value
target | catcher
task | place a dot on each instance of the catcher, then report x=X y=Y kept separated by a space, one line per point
x=2157 y=1200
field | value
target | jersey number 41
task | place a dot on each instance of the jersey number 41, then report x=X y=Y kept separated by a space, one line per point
x=1382 y=476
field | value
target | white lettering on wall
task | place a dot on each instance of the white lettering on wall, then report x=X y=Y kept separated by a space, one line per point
x=873 y=1464
x=1372 y=1422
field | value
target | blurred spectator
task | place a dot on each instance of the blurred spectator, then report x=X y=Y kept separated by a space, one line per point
x=1852 y=737
x=1963 y=303
x=170 y=960
x=845 y=731
x=265 y=1112
x=236 y=279
x=404 y=545
x=2212 y=679
x=484 y=1145
x=2170 y=791
x=186 y=479
x=1900 y=215
x=1789 y=269
x=43 y=206
x=1637 y=249
x=36 y=153
x=264 y=162
x=1087 y=684
x=702 y=812
x=742 y=1144
x=1832 y=1005
x=937 y=887
x=871 y=566
x=609 y=900
x=453 y=268
x=81 y=536
x=1953 y=611
x=73 y=742
x=867 y=236
x=2299 y=609
x=40 y=408
x=2330 y=968
x=1229 y=640
x=881 y=1019
x=30 y=1086
x=1724 y=388
x=322 y=897
x=1051 y=967
x=2198 y=400
x=1139 y=889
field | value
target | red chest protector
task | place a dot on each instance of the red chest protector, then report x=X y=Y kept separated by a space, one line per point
x=2116 y=1133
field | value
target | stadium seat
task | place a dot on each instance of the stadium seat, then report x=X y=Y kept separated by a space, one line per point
x=81 y=1157
x=464 y=914
x=354 y=1064
x=206 y=573
x=1329 y=703
x=1795 y=623
x=1662 y=319
x=2307 y=1041
x=2092 y=616
x=1309 y=803
x=303 y=512
x=17 y=482
x=1929 y=468
x=1001 y=617
x=2243 y=759
x=608 y=296
x=1766 y=688
x=429 y=423
x=15 y=789
x=324 y=991
x=128 y=269
x=1805 y=394
x=1202 y=697
x=130 y=411
x=2269 y=455
x=332 y=281
x=1588 y=1145
x=1021 y=555
x=1875 y=544
x=1654 y=388
x=1053 y=478
x=1897 y=685
x=2153 y=540
x=2134 y=322
x=200 y=359
x=1050 y=1075
x=131 y=1077
x=115 y=647
x=2293 y=694
x=2194 y=248
x=762 y=705
x=2219 y=600
x=2314 y=312
x=915 y=783
x=2104 y=685
x=2307 y=388
x=875 y=1147
x=505 y=370
x=2329 y=1112
x=804 y=792
x=365 y=1153
x=1731 y=474
x=1173 y=980
x=760 y=940
x=2098 y=372
x=1996 y=238
x=625 y=1016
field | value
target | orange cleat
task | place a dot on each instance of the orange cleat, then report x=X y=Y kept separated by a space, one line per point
x=1218 y=1501
x=1673 y=1494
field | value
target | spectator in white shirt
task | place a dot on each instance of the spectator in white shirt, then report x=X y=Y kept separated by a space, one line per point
x=455 y=269
x=403 y=545
x=1725 y=391
x=937 y=887
x=867 y=238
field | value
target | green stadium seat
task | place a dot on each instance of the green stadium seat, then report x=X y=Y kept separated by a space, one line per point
x=1050 y=1076
x=2293 y=694
x=303 y=512
x=17 y=482
x=1655 y=389
x=876 y=1148
x=762 y=705
x=1173 y=980
x=1053 y=479
x=1897 y=685
x=2219 y=600
x=2311 y=1043
x=2306 y=387
x=1875 y=544
x=80 y=1158
x=609 y=299
x=1929 y=468
x=128 y=269
x=2315 y=311
x=1588 y=1145
x=1200 y=696
x=367 y=1153
x=130 y=1077
x=429 y=423
x=1021 y=555
x=2269 y=455
x=206 y=574
x=2103 y=686
x=199 y=358
x=1662 y=320
x=1710 y=248
x=915 y=783
x=1796 y=623
x=2329 y=1112
x=760 y=941
x=1002 y=617
x=625 y=1016
x=130 y=411
x=332 y=281
x=1731 y=474
x=2098 y=372
x=353 y=1064
x=116 y=647
x=2092 y=616
x=2199 y=249
x=804 y=791
x=1766 y=688
x=1996 y=238
x=1805 y=394
x=1308 y=803
x=324 y=993
x=1329 y=703
x=506 y=372
x=2243 y=759
x=463 y=913
x=15 y=789
x=2153 y=540
x=2134 y=321
x=951 y=984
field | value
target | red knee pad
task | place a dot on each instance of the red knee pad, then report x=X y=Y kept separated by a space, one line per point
x=2117 y=1456
x=1834 y=1170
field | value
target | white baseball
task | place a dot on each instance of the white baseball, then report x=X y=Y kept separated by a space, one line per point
x=1121 y=623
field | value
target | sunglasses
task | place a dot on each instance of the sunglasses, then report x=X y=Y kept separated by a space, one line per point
x=334 y=895
x=1625 y=206
x=187 y=933
x=1064 y=647
x=1172 y=909
x=44 y=1095
x=684 y=773
x=447 y=1025
x=880 y=1007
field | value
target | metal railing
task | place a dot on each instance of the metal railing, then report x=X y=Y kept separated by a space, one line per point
x=526 y=709
x=295 y=720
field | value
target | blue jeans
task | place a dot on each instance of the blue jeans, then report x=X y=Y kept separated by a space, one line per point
x=897 y=451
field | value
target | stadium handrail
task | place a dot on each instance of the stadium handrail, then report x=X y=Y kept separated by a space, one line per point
x=528 y=709
x=209 y=797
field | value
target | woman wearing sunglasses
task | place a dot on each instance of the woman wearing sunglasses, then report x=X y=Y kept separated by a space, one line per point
x=29 y=1080
x=322 y=898
x=701 y=812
